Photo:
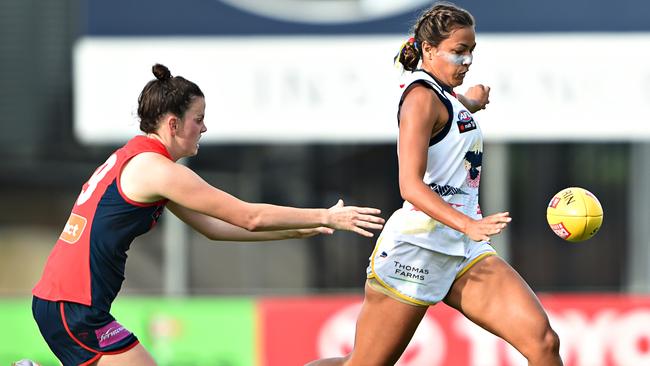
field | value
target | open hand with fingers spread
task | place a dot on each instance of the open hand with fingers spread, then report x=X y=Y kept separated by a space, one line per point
x=481 y=230
x=352 y=218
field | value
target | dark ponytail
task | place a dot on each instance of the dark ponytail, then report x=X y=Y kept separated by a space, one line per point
x=409 y=55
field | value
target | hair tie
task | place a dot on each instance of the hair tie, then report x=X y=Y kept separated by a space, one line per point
x=413 y=42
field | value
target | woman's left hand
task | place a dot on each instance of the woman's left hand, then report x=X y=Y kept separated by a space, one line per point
x=478 y=97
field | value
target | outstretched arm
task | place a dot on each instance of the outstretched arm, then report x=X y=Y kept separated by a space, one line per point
x=150 y=177
x=215 y=229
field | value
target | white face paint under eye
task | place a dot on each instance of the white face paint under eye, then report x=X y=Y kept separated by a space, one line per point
x=456 y=59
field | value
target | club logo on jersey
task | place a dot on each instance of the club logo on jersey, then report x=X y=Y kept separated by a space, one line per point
x=473 y=162
x=73 y=229
x=465 y=121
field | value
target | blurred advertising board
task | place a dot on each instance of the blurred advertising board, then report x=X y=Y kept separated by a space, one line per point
x=197 y=331
x=345 y=88
x=595 y=330
x=20 y=337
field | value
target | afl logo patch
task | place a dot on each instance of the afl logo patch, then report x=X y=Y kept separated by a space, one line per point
x=464 y=116
x=73 y=229
x=465 y=121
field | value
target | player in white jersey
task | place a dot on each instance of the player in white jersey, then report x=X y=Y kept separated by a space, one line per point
x=437 y=246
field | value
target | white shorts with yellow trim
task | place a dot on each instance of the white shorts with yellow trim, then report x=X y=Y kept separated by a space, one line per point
x=417 y=275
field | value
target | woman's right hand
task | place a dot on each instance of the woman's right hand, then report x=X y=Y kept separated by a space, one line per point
x=352 y=218
x=481 y=230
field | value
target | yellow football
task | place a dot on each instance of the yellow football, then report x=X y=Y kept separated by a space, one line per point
x=574 y=214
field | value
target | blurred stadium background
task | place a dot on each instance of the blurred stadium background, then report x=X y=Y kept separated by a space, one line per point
x=301 y=112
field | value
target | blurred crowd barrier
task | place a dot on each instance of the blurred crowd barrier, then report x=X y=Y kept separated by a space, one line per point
x=597 y=329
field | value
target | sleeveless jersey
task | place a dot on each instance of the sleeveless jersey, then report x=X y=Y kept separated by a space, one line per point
x=87 y=263
x=453 y=171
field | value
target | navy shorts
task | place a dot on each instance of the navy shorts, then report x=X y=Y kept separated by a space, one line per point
x=80 y=334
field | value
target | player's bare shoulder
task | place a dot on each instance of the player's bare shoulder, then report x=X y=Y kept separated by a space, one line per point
x=423 y=105
x=141 y=175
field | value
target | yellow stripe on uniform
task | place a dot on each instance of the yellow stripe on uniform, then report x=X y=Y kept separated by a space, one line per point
x=473 y=262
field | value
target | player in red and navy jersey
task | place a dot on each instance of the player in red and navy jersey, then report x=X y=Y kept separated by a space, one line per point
x=124 y=198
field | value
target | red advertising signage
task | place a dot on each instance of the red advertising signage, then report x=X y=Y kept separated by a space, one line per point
x=595 y=330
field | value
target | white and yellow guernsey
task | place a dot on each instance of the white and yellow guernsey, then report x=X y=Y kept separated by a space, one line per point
x=453 y=171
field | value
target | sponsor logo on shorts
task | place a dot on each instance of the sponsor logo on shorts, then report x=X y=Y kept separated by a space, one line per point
x=409 y=273
x=73 y=229
x=111 y=333
x=383 y=255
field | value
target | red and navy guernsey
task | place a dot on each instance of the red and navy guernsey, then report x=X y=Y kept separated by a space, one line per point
x=87 y=263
